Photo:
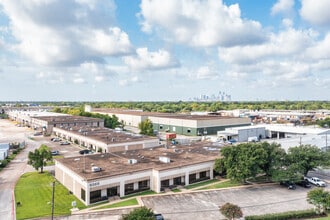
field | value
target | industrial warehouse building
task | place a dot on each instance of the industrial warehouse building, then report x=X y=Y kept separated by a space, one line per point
x=93 y=178
x=184 y=124
x=102 y=139
x=129 y=117
x=269 y=131
x=196 y=125
x=46 y=121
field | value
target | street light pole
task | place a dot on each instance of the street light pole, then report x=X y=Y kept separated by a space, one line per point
x=53 y=195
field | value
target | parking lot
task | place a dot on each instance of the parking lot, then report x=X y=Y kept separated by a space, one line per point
x=69 y=150
x=254 y=200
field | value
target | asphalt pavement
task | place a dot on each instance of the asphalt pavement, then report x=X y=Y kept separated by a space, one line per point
x=9 y=175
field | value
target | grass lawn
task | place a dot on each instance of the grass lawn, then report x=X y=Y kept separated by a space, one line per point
x=34 y=192
x=201 y=184
x=129 y=202
x=176 y=190
x=223 y=184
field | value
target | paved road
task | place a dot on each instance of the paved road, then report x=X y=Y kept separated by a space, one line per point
x=9 y=175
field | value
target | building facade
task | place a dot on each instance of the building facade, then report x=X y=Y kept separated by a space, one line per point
x=98 y=177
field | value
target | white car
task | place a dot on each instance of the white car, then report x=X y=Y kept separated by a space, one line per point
x=316 y=181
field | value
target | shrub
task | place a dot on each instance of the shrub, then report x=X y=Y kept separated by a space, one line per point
x=3 y=163
x=285 y=215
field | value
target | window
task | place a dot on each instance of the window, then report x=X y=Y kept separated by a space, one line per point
x=202 y=174
x=143 y=184
x=188 y=130
x=129 y=188
x=177 y=181
x=160 y=126
x=112 y=191
x=83 y=194
x=192 y=178
x=95 y=196
x=165 y=183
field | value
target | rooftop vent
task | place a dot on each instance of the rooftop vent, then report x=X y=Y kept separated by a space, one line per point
x=132 y=161
x=165 y=159
x=96 y=169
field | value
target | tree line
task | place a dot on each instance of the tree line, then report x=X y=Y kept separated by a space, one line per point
x=109 y=121
x=249 y=160
x=188 y=106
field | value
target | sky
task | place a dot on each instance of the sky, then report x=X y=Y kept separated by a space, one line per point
x=156 y=50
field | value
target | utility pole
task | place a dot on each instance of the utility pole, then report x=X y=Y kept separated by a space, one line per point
x=53 y=200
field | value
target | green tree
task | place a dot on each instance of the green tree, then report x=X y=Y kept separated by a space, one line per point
x=320 y=199
x=39 y=157
x=142 y=213
x=243 y=161
x=219 y=166
x=306 y=157
x=231 y=211
x=275 y=158
x=146 y=127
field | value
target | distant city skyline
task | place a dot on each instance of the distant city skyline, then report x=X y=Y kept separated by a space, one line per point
x=122 y=50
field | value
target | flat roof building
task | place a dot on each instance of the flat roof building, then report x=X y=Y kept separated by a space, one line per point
x=46 y=121
x=93 y=178
x=185 y=124
x=196 y=125
x=104 y=139
x=129 y=117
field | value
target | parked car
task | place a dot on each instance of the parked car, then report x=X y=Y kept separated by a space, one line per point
x=316 y=181
x=158 y=217
x=85 y=151
x=37 y=133
x=304 y=183
x=55 y=139
x=55 y=152
x=288 y=184
x=64 y=143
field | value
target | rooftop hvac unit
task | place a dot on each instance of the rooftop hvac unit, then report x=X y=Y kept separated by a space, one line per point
x=96 y=169
x=165 y=159
x=132 y=161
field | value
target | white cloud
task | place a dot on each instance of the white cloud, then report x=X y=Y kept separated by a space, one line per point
x=286 y=43
x=78 y=79
x=320 y=50
x=129 y=81
x=144 y=60
x=316 y=12
x=199 y=23
x=56 y=32
x=206 y=72
x=291 y=58
x=51 y=77
x=282 y=6
x=110 y=42
x=236 y=75
x=100 y=72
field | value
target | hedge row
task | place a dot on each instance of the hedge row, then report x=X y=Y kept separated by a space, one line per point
x=3 y=163
x=285 y=215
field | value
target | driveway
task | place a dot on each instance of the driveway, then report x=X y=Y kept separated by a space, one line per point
x=254 y=200
x=9 y=175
